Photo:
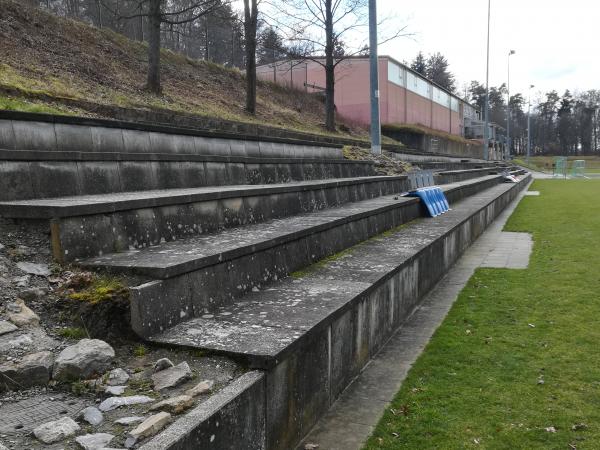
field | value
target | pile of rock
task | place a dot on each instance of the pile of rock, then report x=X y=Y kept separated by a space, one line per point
x=91 y=357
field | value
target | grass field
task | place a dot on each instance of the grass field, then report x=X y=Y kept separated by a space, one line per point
x=515 y=364
x=544 y=163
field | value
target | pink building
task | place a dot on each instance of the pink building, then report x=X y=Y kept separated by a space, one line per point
x=405 y=96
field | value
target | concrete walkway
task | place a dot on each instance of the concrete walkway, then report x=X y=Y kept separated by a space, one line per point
x=353 y=417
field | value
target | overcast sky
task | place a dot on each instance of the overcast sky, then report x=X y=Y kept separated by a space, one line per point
x=556 y=41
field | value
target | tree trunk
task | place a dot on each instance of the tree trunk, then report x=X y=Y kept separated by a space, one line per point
x=250 y=21
x=154 y=19
x=329 y=69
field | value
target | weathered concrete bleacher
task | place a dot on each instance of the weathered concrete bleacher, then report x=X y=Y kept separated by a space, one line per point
x=220 y=235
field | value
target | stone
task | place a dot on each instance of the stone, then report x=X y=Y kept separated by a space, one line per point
x=148 y=427
x=95 y=441
x=33 y=370
x=57 y=430
x=7 y=327
x=21 y=281
x=201 y=388
x=162 y=364
x=129 y=420
x=34 y=268
x=32 y=294
x=83 y=360
x=115 y=390
x=116 y=402
x=92 y=415
x=117 y=377
x=171 y=377
x=174 y=405
x=21 y=315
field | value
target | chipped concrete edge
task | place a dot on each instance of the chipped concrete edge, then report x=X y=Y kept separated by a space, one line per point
x=234 y=414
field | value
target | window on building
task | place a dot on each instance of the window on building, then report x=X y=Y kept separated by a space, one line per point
x=395 y=73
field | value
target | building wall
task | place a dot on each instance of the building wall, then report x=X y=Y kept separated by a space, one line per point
x=405 y=97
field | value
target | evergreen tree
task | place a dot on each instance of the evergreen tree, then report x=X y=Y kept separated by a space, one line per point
x=270 y=46
x=438 y=72
x=419 y=64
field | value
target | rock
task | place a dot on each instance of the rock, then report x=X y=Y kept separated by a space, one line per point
x=116 y=402
x=148 y=427
x=117 y=377
x=83 y=360
x=7 y=327
x=21 y=315
x=201 y=388
x=129 y=420
x=21 y=281
x=171 y=377
x=33 y=370
x=34 y=269
x=92 y=415
x=115 y=390
x=32 y=294
x=162 y=364
x=2 y=447
x=57 y=430
x=95 y=441
x=174 y=405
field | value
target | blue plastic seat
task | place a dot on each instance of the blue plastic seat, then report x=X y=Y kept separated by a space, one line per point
x=433 y=198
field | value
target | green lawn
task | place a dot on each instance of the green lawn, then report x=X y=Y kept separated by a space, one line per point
x=520 y=350
x=544 y=163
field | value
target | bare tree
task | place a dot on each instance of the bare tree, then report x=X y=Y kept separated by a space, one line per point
x=329 y=30
x=170 y=13
x=250 y=24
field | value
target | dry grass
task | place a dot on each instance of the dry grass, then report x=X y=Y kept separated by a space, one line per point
x=45 y=54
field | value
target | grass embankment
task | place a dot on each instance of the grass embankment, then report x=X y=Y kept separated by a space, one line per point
x=515 y=363
x=46 y=60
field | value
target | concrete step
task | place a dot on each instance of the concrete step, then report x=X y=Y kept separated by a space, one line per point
x=314 y=332
x=195 y=275
x=133 y=220
x=33 y=174
x=452 y=176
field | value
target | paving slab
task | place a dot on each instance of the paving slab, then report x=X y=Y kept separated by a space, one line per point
x=352 y=418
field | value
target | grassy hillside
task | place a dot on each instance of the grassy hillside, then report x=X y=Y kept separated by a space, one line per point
x=45 y=59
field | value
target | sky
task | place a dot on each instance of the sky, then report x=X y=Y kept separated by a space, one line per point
x=554 y=40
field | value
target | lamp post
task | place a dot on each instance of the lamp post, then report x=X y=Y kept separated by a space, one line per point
x=512 y=52
x=374 y=79
x=486 y=131
x=529 y=123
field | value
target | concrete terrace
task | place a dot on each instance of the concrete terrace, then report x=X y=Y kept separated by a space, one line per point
x=275 y=253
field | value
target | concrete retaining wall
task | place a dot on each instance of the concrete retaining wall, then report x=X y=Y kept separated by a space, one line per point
x=37 y=177
x=434 y=144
